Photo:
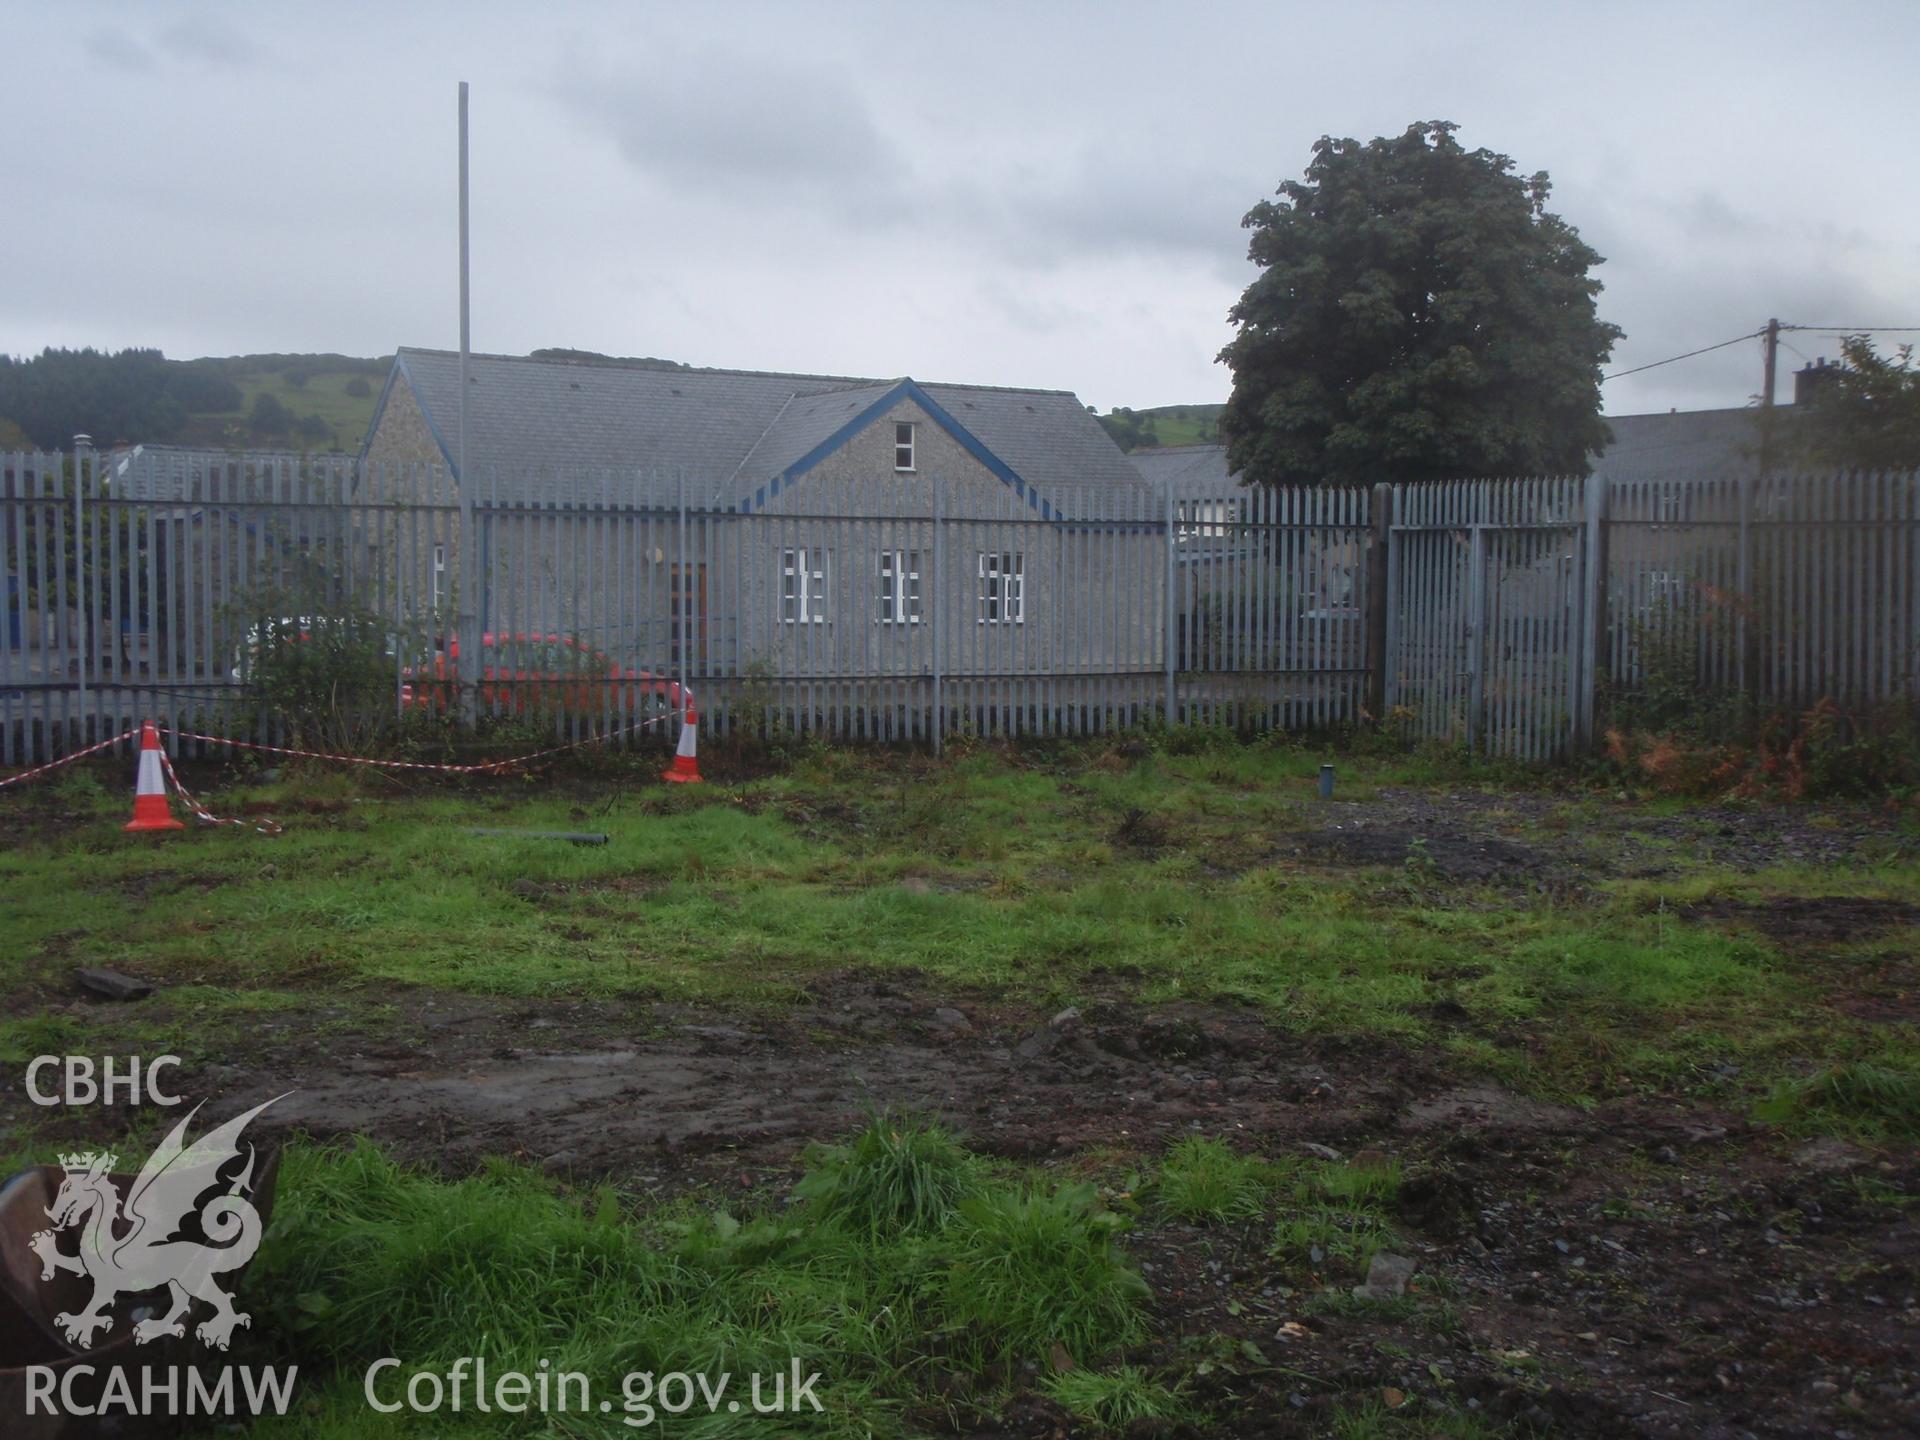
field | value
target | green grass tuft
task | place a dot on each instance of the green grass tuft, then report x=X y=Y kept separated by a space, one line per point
x=1117 y=1398
x=895 y=1175
x=1862 y=1096
x=1203 y=1180
x=1030 y=1269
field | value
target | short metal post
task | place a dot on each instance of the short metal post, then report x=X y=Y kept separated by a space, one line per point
x=1326 y=782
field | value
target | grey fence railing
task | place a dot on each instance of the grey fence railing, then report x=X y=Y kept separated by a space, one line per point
x=1495 y=613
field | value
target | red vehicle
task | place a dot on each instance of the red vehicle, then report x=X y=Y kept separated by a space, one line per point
x=521 y=673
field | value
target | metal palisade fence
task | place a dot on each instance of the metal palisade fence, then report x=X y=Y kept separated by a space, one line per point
x=1497 y=614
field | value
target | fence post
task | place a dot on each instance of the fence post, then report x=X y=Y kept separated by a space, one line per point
x=1745 y=635
x=676 y=587
x=1378 y=559
x=82 y=447
x=1169 y=640
x=1476 y=634
x=1591 y=651
x=939 y=598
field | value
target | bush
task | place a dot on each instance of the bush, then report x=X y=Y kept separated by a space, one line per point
x=269 y=416
x=1822 y=752
x=325 y=669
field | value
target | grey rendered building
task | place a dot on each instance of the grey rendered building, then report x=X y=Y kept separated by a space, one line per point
x=813 y=549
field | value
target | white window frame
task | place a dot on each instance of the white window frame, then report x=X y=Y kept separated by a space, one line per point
x=804 y=572
x=899 y=587
x=439 y=573
x=1003 y=587
x=904 y=447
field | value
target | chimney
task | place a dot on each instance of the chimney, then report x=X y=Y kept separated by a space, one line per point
x=1810 y=380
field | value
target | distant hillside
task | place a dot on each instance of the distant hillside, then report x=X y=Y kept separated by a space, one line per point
x=1164 y=425
x=305 y=402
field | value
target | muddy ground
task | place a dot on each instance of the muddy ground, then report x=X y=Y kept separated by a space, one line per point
x=1642 y=1269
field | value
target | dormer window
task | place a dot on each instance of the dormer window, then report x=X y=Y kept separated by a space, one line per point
x=903 y=445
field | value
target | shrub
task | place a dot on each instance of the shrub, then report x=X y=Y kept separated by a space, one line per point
x=1824 y=751
x=324 y=668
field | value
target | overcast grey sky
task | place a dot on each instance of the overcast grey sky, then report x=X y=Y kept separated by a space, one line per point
x=1021 y=194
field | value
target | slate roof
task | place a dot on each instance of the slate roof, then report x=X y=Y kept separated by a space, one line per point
x=730 y=430
x=804 y=423
x=1047 y=436
x=1666 y=446
x=1680 y=445
x=1194 y=469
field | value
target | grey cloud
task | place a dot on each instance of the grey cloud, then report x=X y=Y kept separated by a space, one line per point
x=119 y=49
x=203 y=38
x=742 y=127
x=1098 y=205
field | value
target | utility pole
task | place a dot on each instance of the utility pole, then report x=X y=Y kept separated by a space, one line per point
x=467 y=668
x=1771 y=364
x=1745 y=640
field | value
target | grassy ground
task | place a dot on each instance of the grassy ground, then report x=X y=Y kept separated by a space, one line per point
x=1036 y=879
x=1574 y=946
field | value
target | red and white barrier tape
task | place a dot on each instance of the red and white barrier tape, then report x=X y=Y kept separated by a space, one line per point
x=68 y=759
x=201 y=813
x=270 y=827
x=486 y=768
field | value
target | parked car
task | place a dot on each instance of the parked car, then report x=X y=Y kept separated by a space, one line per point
x=521 y=672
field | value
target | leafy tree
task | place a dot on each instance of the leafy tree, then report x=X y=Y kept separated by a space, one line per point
x=1419 y=315
x=201 y=389
x=114 y=397
x=1866 y=417
x=359 y=388
x=1129 y=429
x=269 y=416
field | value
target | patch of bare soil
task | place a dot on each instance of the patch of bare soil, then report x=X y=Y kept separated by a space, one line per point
x=1537 y=842
x=1805 y=920
x=1645 y=1269
x=1456 y=854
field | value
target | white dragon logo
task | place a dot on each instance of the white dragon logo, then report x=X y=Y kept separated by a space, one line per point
x=136 y=1252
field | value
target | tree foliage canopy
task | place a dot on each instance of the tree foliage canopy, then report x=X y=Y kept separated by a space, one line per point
x=1867 y=417
x=1419 y=315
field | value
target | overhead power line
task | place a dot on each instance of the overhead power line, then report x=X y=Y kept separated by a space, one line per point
x=1857 y=329
x=1703 y=350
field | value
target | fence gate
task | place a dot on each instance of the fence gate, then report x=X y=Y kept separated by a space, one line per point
x=1489 y=605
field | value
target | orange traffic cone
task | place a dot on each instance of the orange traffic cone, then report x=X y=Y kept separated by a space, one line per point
x=685 y=769
x=150 y=810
